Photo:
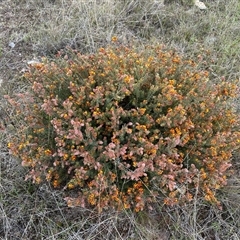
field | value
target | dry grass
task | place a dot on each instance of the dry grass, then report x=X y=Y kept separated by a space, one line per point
x=40 y=28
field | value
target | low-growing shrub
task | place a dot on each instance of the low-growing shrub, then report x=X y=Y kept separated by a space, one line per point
x=123 y=127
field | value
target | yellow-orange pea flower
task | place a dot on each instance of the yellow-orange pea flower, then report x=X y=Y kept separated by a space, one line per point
x=48 y=152
x=65 y=156
x=127 y=92
x=114 y=39
x=70 y=186
x=38 y=180
x=9 y=145
x=127 y=79
x=142 y=111
x=141 y=127
x=55 y=183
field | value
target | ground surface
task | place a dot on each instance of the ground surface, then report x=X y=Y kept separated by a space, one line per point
x=30 y=29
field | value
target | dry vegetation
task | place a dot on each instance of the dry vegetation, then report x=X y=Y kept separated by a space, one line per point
x=41 y=28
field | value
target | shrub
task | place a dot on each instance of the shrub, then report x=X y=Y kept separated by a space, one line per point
x=124 y=127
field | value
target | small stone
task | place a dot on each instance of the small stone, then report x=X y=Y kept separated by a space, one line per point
x=11 y=44
x=200 y=5
x=33 y=62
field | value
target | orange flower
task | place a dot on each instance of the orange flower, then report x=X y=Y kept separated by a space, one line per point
x=70 y=186
x=127 y=79
x=142 y=111
x=65 y=156
x=114 y=39
x=48 y=152
x=55 y=183
x=91 y=199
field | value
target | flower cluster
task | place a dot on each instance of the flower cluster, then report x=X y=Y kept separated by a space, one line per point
x=124 y=127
